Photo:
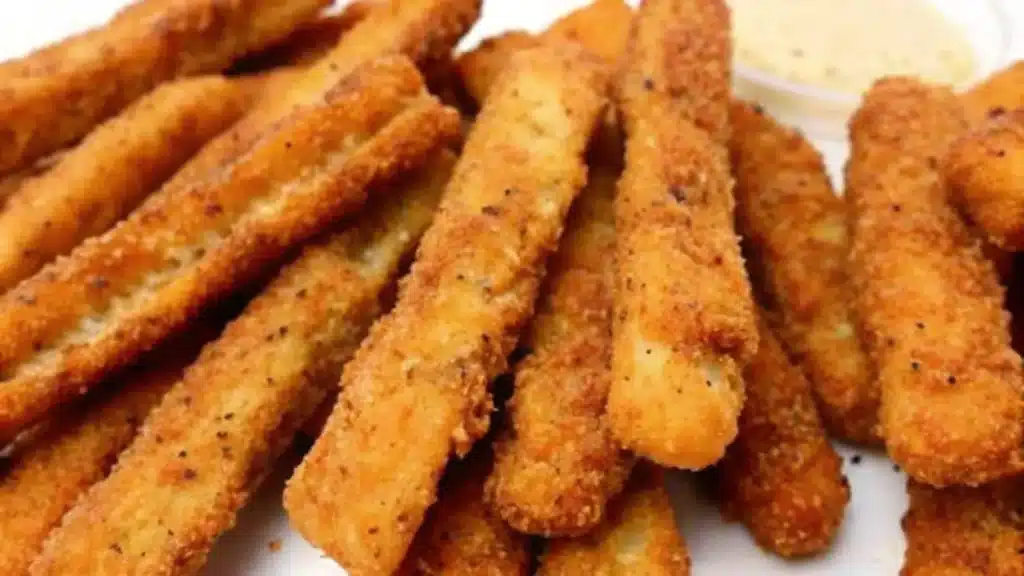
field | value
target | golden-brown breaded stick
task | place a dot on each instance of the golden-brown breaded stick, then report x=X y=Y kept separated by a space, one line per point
x=601 y=26
x=985 y=169
x=218 y=431
x=684 y=315
x=423 y=30
x=308 y=43
x=781 y=476
x=556 y=464
x=930 y=302
x=417 y=389
x=639 y=536
x=92 y=80
x=11 y=182
x=461 y=535
x=999 y=93
x=961 y=531
x=110 y=172
x=796 y=229
x=120 y=293
x=48 y=474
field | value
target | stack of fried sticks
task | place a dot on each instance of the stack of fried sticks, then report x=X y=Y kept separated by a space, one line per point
x=194 y=158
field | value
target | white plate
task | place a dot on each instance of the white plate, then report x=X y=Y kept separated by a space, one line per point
x=870 y=541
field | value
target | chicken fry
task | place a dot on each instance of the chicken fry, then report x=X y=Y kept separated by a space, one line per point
x=997 y=94
x=556 y=464
x=121 y=293
x=797 y=231
x=984 y=169
x=461 y=535
x=418 y=388
x=679 y=345
x=60 y=96
x=930 y=302
x=209 y=443
x=781 y=476
x=601 y=26
x=106 y=176
x=961 y=531
x=639 y=536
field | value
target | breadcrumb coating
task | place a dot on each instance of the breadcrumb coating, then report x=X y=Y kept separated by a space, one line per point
x=108 y=174
x=796 y=229
x=1001 y=92
x=985 y=169
x=557 y=464
x=52 y=98
x=119 y=294
x=684 y=314
x=961 y=531
x=781 y=477
x=418 y=389
x=461 y=535
x=639 y=536
x=205 y=449
x=931 y=303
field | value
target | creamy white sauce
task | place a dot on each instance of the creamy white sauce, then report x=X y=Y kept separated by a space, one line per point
x=846 y=45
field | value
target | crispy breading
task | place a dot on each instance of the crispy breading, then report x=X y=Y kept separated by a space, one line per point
x=984 y=168
x=684 y=315
x=930 y=302
x=120 y=293
x=601 y=26
x=308 y=43
x=50 y=472
x=1001 y=92
x=423 y=30
x=417 y=390
x=110 y=172
x=556 y=464
x=219 y=430
x=796 y=229
x=639 y=536
x=11 y=182
x=962 y=531
x=71 y=89
x=781 y=477
x=461 y=535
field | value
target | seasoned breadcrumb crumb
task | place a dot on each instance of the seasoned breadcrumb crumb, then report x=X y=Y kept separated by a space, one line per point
x=796 y=229
x=684 y=315
x=417 y=390
x=638 y=536
x=781 y=477
x=208 y=445
x=121 y=293
x=930 y=302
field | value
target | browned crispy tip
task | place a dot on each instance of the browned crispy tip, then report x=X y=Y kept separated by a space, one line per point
x=601 y=26
x=639 y=536
x=48 y=474
x=308 y=43
x=998 y=94
x=119 y=294
x=53 y=99
x=984 y=169
x=557 y=463
x=206 y=448
x=796 y=231
x=679 y=347
x=110 y=172
x=930 y=302
x=461 y=535
x=781 y=477
x=418 y=389
x=961 y=531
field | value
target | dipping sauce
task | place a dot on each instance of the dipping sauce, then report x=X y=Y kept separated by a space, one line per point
x=845 y=45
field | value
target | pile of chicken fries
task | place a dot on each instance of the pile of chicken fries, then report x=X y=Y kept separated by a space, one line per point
x=502 y=291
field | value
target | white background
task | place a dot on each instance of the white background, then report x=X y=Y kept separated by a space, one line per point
x=870 y=541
